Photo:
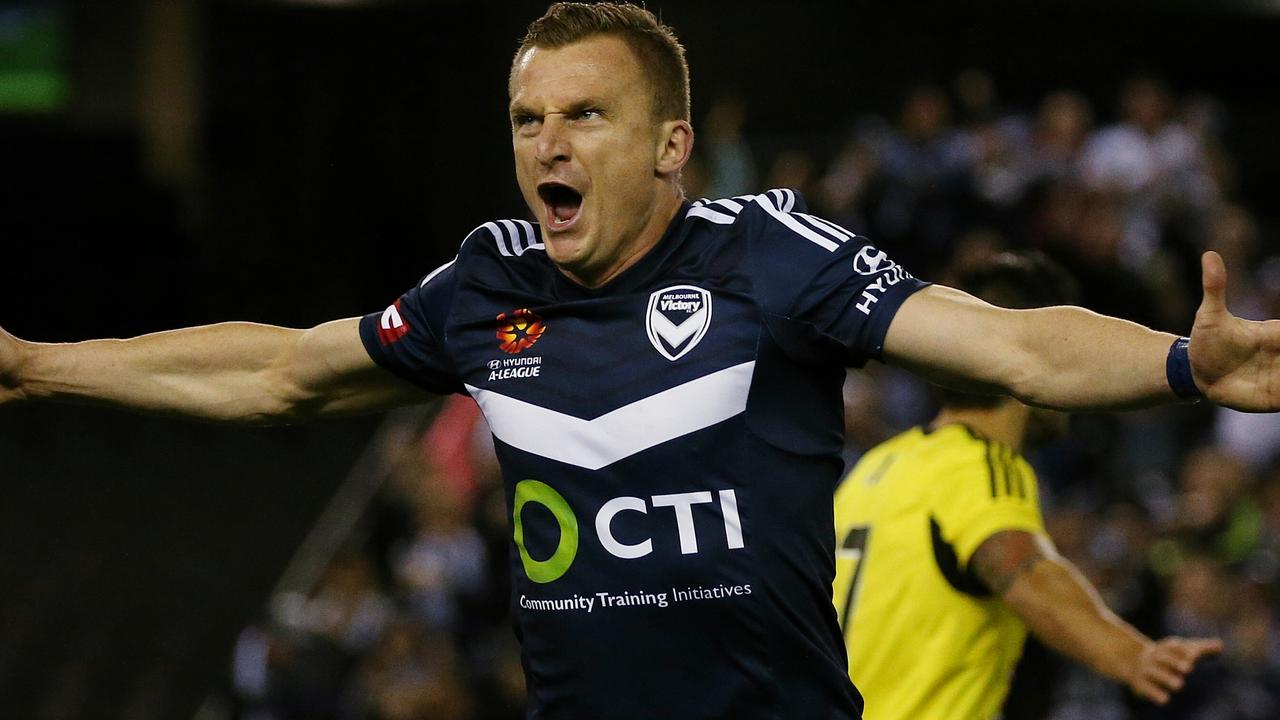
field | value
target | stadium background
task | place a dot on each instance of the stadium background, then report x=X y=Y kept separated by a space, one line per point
x=173 y=162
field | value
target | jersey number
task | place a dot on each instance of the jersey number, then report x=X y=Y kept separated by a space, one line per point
x=854 y=548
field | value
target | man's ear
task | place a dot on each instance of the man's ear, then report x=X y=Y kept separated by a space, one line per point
x=675 y=147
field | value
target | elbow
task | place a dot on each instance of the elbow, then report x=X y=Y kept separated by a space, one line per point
x=280 y=400
x=287 y=393
x=1034 y=380
x=289 y=406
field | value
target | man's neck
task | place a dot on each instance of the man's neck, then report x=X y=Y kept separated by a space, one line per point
x=1006 y=422
x=665 y=210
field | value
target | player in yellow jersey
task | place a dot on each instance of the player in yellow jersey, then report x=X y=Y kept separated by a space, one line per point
x=943 y=562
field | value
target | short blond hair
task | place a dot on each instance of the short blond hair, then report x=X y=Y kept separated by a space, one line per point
x=654 y=44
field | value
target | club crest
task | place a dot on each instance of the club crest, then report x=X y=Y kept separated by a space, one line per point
x=677 y=319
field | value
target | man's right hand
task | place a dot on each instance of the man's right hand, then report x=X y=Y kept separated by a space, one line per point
x=10 y=367
x=1164 y=665
x=1065 y=611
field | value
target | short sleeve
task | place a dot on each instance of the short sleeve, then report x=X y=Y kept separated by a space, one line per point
x=408 y=337
x=837 y=284
x=987 y=495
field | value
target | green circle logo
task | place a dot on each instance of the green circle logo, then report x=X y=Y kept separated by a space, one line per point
x=544 y=571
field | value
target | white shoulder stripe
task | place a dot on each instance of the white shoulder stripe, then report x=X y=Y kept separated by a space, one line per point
x=498 y=236
x=729 y=205
x=796 y=226
x=732 y=206
x=513 y=237
x=530 y=237
x=784 y=199
x=632 y=428
x=840 y=233
x=436 y=272
x=714 y=216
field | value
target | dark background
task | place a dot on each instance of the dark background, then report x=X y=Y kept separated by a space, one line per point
x=292 y=163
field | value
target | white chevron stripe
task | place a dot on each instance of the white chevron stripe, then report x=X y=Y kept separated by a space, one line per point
x=632 y=428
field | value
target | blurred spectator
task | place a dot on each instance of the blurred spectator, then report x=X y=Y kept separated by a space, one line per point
x=923 y=164
x=1217 y=513
x=792 y=169
x=730 y=164
x=443 y=565
x=410 y=675
x=842 y=190
x=1150 y=161
x=1062 y=128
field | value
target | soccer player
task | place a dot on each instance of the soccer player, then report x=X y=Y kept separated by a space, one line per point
x=662 y=379
x=942 y=560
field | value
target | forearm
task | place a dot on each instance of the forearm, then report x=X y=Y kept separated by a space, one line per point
x=1078 y=359
x=1060 y=357
x=229 y=371
x=1065 y=612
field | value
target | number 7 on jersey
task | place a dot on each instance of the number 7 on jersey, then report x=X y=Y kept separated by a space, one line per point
x=853 y=549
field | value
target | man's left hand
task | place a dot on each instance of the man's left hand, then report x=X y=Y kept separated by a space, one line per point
x=1235 y=362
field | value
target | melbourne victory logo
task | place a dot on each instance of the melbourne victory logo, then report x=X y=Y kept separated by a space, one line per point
x=677 y=319
x=518 y=330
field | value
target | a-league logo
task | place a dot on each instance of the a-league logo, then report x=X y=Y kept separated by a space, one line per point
x=677 y=319
x=519 y=330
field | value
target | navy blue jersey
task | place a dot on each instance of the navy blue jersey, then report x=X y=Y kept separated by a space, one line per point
x=670 y=444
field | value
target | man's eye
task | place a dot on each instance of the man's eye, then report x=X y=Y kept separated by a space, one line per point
x=589 y=114
x=524 y=120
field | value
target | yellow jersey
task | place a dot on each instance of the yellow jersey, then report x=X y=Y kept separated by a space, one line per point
x=926 y=639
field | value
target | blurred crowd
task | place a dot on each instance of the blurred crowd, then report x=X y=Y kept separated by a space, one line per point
x=1174 y=513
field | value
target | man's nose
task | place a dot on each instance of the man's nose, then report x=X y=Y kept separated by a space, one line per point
x=553 y=141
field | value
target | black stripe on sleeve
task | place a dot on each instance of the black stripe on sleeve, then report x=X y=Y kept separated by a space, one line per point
x=1006 y=467
x=991 y=469
x=963 y=579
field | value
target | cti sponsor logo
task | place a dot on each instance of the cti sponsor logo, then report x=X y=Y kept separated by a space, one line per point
x=519 y=330
x=392 y=325
x=559 y=562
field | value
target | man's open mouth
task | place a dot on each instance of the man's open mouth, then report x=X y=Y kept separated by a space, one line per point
x=564 y=204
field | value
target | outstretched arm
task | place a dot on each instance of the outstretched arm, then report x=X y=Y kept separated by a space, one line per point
x=1071 y=358
x=237 y=372
x=1064 y=610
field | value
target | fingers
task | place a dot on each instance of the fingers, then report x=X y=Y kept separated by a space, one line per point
x=1150 y=692
x=1213 y=276
x=1196 y=648
x=1165 y=665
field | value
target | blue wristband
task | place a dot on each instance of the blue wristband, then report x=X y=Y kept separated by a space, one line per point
x=1177 y=369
